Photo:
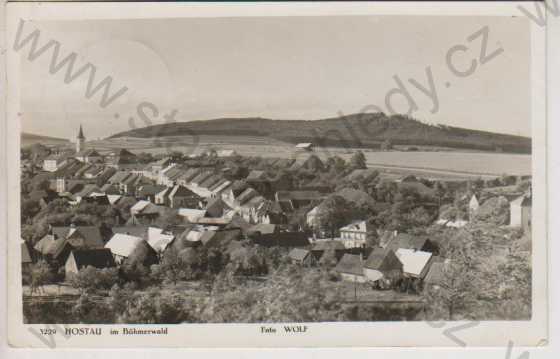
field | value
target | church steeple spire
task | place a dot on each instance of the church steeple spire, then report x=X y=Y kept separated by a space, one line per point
x=80 y=140
x=81 y=134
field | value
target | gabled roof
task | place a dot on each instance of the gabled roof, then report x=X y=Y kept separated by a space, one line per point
x=377 y=257
x=407 y=241
x=110 y=189
x=328 y=245
x=54 y=241
x=158 y=239
x=414 y=262
x=98 y=258
x=298 y=254
x=216 y=207
x=136 y=231
x=119 y=177
x=139 y=206
x=360 y=226
x=88 y=190
x=123 y=244
x=523 y=201
x=207 y=236
x=181 y=191
x=263 y=228
x=149 y=190
x=246 y=195
x=256 y=175
x=350 y=264
x=201 y=177
x=435 y=274
x=192 y=215
x=191 y=173
x=299 y=195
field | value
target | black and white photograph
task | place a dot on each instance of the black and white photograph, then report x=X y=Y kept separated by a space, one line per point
x=366 y=168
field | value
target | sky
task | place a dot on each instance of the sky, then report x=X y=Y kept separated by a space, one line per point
x=281 y=68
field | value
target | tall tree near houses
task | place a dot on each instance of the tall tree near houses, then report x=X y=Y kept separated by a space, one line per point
x=457 y=287
x=334 y=212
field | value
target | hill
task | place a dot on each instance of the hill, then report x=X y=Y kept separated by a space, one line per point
x=358 y=130
x=28 y=139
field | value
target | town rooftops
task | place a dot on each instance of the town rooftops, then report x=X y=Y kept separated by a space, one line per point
x=52 y=242
x=119 y=177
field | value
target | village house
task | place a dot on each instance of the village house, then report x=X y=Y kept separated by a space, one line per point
x=473 y=207
x=178 y=196
x=302 y=257
x=354 y=235
x=192 y=215
x=88 y=156
x=325 y=249
x=415 y=263
x=293 y=200
x=55 y=161
x=520 y=213
x=82 y=258
x=383 y=267
x=122 y=245
x=57 y=244
x=117 y=158
x=350 y=268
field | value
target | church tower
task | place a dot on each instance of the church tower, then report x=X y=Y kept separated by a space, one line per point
x=80 y=141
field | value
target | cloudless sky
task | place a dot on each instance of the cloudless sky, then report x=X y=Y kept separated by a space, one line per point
x=281 y=68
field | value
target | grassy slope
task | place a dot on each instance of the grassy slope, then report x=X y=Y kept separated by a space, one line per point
x=360 y=130
x=29 y=139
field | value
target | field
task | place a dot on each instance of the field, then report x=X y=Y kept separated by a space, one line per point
x=435 y=163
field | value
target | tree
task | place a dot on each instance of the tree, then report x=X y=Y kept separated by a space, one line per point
x=456 y=288
x=90 y=279
x=334 y=212
x=172 y=267
x=358 y=160
x=41 y=274
x=336 y=164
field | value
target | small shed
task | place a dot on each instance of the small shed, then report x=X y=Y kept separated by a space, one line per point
x=302 y=257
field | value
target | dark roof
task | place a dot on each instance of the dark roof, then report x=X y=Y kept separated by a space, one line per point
x=98 y=258
x=147 y=190
x=283 y=239
x=328 y=245
x=263 y=228
x=351 y=264
x=299 y=195
x=407 y=241
x=207 y=236
x=376 y=257
x=215 y=207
